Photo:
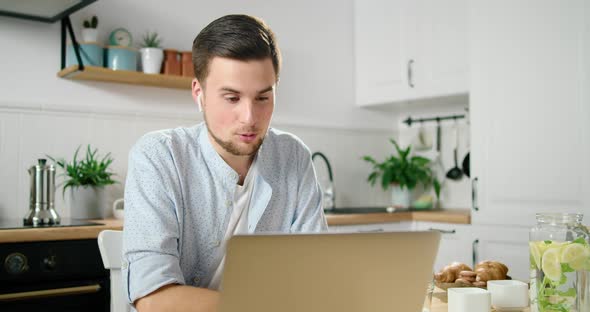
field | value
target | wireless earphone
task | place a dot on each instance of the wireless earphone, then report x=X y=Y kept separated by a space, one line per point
x=199 y=103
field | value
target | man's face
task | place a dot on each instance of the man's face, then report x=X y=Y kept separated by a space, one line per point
x=237 y=101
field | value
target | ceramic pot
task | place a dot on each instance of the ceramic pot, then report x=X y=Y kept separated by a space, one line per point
x=151 y=60
x=89 y=34
x=87 y=202
x=121 y=58
x=171 y=63
x=187 y=69
x=400 y=197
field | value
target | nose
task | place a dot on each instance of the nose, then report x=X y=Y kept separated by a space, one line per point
x=247 y=113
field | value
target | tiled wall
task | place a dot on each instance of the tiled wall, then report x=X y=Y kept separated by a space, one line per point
x=28 y=134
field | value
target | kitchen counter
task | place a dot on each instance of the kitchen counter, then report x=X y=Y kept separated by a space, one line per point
x=59 y=233
x=457 y=216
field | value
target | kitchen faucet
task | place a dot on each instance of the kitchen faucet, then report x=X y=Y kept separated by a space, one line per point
x=328 y=192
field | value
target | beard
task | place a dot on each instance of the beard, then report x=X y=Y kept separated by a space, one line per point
x=234 y=148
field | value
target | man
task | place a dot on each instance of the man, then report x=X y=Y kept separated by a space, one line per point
x=189 y=190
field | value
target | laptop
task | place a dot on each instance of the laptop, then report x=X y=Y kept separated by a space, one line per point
x=355 y=272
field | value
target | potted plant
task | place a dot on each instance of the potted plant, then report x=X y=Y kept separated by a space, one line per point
x=86 y=180
x=402 y=173
x=151 y=53
x=89 y=32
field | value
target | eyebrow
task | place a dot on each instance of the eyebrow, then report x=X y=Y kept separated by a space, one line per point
x=228 y=89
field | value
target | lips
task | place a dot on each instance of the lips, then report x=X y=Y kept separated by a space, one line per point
x=247 y=137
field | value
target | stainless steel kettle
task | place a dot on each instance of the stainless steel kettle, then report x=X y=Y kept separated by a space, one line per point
x=42 y=195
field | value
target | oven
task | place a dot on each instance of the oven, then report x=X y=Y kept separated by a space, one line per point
x=53 y=276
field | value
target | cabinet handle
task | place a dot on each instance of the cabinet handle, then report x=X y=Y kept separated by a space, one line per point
x=410 y=74
x=474 y=194
x=474 y=247
x=46 y=293
x=453 y=231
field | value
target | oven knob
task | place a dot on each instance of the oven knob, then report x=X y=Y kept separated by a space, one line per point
x=49 y=263
x=16 y=263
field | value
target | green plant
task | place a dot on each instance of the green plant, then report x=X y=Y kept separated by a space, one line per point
x=88 y=171
x=403 y=170
x=151 y=40
x=92 y=23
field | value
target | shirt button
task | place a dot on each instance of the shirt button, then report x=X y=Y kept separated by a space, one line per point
x=124 y=265
x=196 y=280
x=228 y=203
x=216 y=243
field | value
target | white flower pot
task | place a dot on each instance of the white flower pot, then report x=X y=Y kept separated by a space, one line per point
x=151 y=60
x=87 y=202
x=89 y=35
x=400 y=198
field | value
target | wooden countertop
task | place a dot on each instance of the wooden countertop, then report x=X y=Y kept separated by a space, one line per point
x=457 y=216
x=90 y=232
x=59 y=233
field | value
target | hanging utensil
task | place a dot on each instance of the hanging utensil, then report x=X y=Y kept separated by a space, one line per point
x=437 y=165
x=466 y=165
x=455 y=173
x=422 y=141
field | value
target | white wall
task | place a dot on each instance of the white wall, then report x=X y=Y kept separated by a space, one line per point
x=42 y=114
x=315 y=37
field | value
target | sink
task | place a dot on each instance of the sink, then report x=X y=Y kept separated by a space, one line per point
x=355 y=210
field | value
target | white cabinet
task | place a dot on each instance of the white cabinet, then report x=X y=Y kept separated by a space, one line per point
x=406 y=50
x=381 y=51
x=529 y=109
x=508 y=245
x=455 y=243
x=440 y=47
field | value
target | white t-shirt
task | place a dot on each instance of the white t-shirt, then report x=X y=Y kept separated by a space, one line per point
x=238 y=222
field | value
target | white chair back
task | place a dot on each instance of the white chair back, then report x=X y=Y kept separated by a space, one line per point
x=110 y=244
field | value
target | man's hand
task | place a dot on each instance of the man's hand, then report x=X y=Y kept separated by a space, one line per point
x=179 y=298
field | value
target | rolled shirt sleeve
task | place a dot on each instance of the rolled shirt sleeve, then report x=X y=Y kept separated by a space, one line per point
x=151 y=227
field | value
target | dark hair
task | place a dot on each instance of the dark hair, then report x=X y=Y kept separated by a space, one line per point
x=240 y=37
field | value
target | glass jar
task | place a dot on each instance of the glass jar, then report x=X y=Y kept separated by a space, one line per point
x=560 y=263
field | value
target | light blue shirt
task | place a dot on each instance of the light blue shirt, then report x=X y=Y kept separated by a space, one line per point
x=178 y=202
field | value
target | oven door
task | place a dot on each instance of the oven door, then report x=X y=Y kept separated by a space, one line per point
x=88 y=295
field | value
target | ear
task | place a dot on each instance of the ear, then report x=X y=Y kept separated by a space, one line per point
x=197 y=91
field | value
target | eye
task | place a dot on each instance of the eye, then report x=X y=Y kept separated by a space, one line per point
x=262 y=98
x=232 y=99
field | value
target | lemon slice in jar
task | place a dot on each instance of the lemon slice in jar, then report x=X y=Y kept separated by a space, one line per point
x=551 y=264
x=575 y=255
x=536 y=253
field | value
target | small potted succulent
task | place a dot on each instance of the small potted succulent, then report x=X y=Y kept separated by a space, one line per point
x=85 y=182
x=151 y=53
x=402 y=173
x=89 y=32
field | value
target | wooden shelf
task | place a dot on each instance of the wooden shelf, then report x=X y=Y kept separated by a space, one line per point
x=124 y=76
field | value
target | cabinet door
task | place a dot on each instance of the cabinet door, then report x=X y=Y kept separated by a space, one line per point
x=508 y=245
x=529 y=109
x=441 y=45
x=455 y=243
x=380 y=32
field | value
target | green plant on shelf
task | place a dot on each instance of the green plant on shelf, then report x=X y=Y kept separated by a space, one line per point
x=151 y=40
x=92 y=23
